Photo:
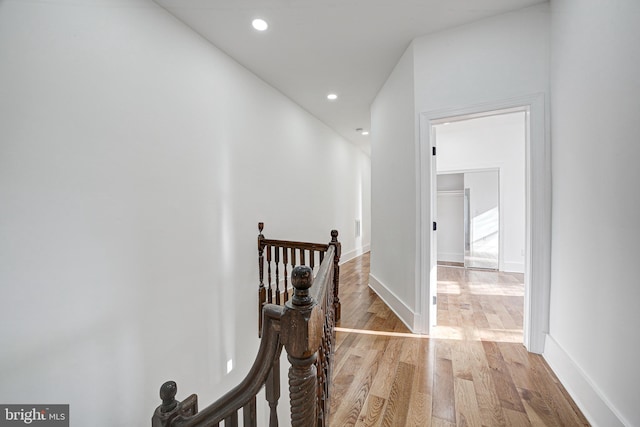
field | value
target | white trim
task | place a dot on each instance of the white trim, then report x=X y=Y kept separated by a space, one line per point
x=538 y=220
x=451 y=256
x=591 y=401
x=404 y=313
x=513 y=267
x=450 y=193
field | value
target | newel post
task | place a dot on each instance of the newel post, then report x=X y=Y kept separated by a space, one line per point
x=336 y=273
x=171 y=409
x=301 y=334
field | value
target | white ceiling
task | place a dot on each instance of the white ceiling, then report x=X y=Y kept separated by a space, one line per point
x=314 y=47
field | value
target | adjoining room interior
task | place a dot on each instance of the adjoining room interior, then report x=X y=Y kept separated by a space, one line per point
x=481 y=225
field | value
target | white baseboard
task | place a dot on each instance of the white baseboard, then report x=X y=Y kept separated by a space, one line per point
x=404 y=313
x=450 y=257
x=348 y=256
x=513 y=267
x=591 y=401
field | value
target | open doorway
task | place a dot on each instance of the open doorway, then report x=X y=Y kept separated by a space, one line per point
x=537 y=216
x=480 y=215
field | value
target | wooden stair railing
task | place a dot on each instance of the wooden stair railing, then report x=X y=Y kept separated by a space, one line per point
x=305 y=327
x=288 y=254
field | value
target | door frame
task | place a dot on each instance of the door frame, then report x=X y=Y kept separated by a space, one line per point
x=537 y=207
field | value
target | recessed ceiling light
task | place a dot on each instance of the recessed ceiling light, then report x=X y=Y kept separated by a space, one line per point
x=332 y=97
x=259 y=24
x=365 y=132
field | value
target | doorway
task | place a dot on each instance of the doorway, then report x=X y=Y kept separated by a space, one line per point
x=537 y=238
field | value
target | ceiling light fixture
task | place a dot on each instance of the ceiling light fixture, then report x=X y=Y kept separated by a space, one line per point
x=332 y=97
x=259 y=24
x=365 y=132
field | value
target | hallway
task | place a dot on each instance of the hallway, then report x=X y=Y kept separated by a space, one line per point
x=474 y=371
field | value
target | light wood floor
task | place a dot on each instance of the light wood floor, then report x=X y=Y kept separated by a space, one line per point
x=474 y=370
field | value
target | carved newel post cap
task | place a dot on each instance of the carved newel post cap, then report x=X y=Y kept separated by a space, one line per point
x=301 y=279
x=168 y=393
x=261 y=226
x=334 y=235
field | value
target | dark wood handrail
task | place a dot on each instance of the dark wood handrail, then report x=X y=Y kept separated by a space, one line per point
x=320 y=247
x=305 y=327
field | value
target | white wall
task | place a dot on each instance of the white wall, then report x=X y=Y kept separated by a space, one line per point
x=490 y=60
x=135 y=162
x=450 y=182
x=484 y=227
x=487 y=143
x=393 y=184
x=594 y=344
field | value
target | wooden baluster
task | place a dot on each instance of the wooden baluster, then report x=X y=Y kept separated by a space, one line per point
x=321 y=256
x=336 y=273
x=300 y=334
x=269 y=290
x=277 y=261
x=312 y=259
x=285 y=251
x=326 y=359
x=231 y=420
x=262 y=293
x=302 y=260
x=293 y=258
x=272 y=392
x=249 y=414
x=328 y=349
x=320 y=394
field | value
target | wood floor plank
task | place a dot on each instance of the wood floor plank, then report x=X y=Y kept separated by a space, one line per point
x=444 y=398
x=422 y=385
x=397 y=405
x=506 y=389
x=517 y=418
x=489 y=406
x=357 y=390
x=537 y=410
x=473 y=369
x=419 y=409
x=467 y=410
x=371 y=414
x=386 y=373
x=438 y=422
